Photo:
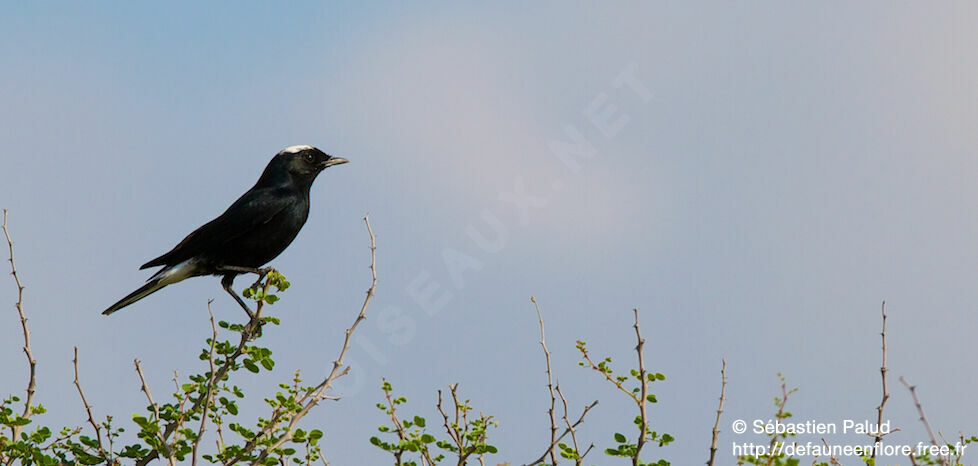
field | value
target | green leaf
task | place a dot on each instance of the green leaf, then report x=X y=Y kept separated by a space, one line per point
x=620 y=438
x=419 y=421
x=250 y=365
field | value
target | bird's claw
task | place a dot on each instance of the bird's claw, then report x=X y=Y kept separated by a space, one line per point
x=262 y=273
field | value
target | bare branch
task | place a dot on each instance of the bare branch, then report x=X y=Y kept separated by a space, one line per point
x=145 y=388
x=444 y=415
x=565 y=432
x=550 y=385
x=886 y=394
x=573 y=432
x=156 y=410
x=209 y=391
x=832 y=459
x=923 y=419
x=88 y=408
x=716 y=425
x=31 y=362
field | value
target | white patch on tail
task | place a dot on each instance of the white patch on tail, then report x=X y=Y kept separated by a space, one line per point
x=177 y=273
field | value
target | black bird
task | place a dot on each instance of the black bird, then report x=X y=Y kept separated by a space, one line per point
x=253 y=231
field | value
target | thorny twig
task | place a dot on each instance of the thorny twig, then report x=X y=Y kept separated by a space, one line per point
x=444 y=415
x=209 y=393
x=645 y=388
x=878 y=436
x=156 y=410
x=716 y=425
x=458 y=431
x=550 y=385
x=88 y=409
x=565 y=432
x=785 y=393
x=573 y=432
x=401 y=431
x=832 y=459
x=923 y=419
x=31 y=362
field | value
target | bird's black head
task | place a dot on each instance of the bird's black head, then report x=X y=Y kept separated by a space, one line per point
x=297 y=164
x=307 y=161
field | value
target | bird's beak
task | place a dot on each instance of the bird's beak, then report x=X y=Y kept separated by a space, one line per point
x=334 y=161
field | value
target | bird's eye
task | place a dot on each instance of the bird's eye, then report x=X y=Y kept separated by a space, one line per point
x=310 y=157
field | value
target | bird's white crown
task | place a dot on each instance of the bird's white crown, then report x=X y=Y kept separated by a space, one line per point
x=294 y=149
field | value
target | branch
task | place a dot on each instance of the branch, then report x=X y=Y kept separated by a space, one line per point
x=886 y=394
x=209 y=393
x=444 y=415
x=463 y=435
x=645 y=388
x=550 y=385
x=398 y=427
x=923 y=419
x=88 y=410
x=785 y=393
x=832 y=459
x=607 y=375
x=573 y=432
x=31 y=362
x=156 y=410
x=716 y=425
x=566 y=431
x=248 y=333
x=313 y=396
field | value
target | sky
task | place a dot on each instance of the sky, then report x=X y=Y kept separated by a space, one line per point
x=756 y=178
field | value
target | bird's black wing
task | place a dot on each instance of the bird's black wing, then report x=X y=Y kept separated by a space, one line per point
x=255 y=207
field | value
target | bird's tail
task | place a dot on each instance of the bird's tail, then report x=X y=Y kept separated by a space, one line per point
x=166 y=276
x=149 y=288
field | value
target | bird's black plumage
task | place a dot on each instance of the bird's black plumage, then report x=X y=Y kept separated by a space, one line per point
x=253 y=231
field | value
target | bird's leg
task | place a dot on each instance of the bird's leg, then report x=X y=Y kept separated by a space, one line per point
x=260 y=272
x=226 y=282
x=235 y=268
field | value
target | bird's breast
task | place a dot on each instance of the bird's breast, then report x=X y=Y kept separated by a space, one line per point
x=269 y=238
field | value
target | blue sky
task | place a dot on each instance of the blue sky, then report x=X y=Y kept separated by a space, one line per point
x=794 y=166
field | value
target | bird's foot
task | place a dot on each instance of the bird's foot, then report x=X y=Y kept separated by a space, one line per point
x=262 y=272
